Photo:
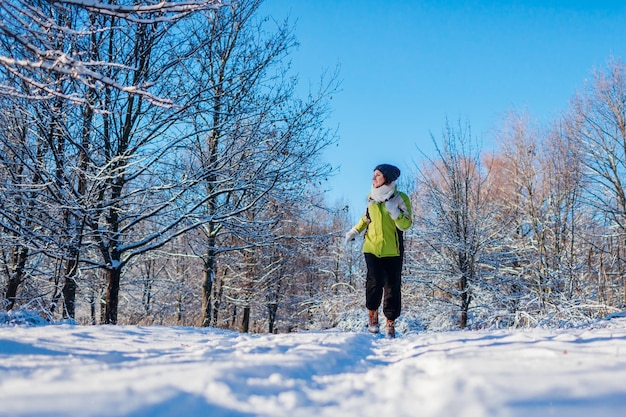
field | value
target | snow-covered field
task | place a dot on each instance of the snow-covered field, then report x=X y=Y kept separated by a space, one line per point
x=68 y=370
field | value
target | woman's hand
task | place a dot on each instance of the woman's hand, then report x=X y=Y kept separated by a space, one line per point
x=351 y=235
x=392 y=208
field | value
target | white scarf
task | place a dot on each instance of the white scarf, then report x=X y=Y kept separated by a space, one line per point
x=382 y=193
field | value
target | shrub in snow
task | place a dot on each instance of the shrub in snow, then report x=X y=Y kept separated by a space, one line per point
x=21 y=317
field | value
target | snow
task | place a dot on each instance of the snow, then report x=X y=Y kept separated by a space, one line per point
x=72 y=370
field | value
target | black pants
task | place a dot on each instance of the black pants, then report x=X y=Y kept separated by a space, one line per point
x=383 y=283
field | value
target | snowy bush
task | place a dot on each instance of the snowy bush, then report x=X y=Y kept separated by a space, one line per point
x=21 y=317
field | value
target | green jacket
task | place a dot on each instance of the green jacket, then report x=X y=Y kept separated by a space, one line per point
x=381 y=236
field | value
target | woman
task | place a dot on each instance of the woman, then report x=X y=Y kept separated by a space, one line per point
x=387 y=216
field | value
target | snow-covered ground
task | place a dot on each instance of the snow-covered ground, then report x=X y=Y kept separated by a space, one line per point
x=68 y=370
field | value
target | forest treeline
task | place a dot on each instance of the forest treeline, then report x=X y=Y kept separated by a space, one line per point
x=159 y=164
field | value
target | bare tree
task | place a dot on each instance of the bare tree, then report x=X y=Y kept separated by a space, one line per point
x=97 y=175
x=455 y=220
x=255 y=140
x=597 y=124
x=540 y=184
x=15 y=205
x=155 y=122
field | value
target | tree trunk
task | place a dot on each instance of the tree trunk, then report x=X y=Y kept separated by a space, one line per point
x=180 y=306
x=112 y=295
x=245 y=321
x=272 y=308
x=11 y=292
x=69 y=298
x=465 y=301
x=207 y=286
x=466 y=267
x=15 y=279
x=218 y=289
x=69 y=288
x=92 y=306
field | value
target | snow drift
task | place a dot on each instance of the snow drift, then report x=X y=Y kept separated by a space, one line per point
x=69 y=370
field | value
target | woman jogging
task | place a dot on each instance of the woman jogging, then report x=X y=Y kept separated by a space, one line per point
x=387 y=216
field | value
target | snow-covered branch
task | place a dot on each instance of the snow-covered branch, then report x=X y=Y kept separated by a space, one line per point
x=40 y=45
x=148 y=12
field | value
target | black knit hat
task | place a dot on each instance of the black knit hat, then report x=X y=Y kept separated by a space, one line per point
x=390 y=172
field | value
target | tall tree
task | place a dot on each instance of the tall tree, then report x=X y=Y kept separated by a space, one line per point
x=455 y=219
x=132 y=168
x=255 y=140
x=597 y=124
x=540 y=186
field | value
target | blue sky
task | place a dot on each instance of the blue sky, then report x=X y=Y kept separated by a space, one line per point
x=406 y=66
